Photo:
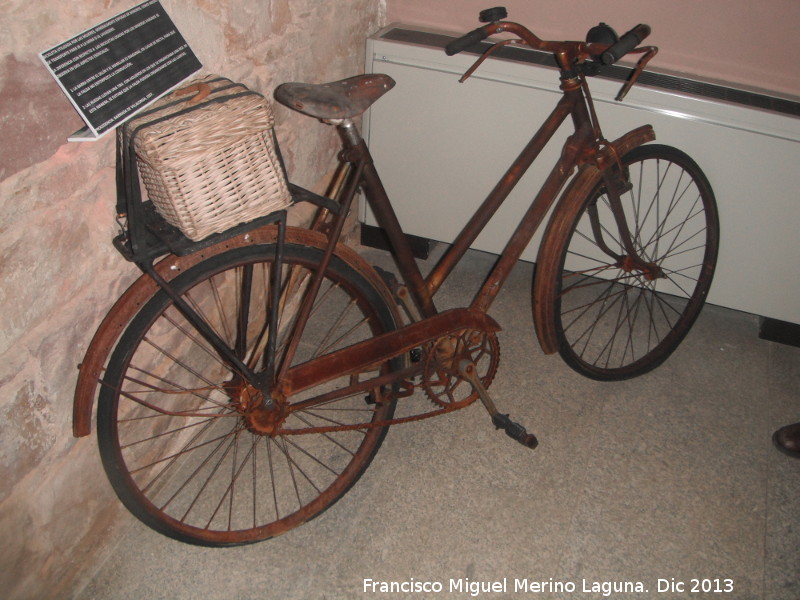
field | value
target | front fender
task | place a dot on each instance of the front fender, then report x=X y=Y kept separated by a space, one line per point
x=581 y=185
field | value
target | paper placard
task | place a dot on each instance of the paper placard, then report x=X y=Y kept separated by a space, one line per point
x=119 y=67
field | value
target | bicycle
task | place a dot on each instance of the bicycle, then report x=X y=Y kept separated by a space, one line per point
x=247 y=381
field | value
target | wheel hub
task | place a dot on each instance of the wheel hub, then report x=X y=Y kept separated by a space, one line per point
x=259 y=418
x=265 y=421
x=650 y=270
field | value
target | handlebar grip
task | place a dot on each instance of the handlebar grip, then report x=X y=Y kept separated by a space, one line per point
x=626 y=43
x=466 y=40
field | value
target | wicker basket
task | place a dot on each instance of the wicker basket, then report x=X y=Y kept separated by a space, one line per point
x=210 y=165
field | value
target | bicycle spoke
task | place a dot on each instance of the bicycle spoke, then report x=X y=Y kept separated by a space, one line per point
x=205 y=484
x=328 y=436
x=191 y=335
x=173 y=465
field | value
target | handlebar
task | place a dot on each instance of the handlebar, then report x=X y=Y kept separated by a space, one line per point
x=566 y=52
x=466 y=40
x=626 y=43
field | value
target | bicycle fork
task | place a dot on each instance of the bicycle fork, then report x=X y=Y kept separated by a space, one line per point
x=616 y=183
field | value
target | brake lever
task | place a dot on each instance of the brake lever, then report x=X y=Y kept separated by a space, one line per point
x=486 y=54
x=649 y=53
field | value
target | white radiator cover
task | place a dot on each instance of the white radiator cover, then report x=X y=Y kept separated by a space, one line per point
x=440 y=146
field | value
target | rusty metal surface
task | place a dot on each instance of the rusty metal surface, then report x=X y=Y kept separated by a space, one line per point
x=105 y=339
x=382 y=208
x=581 y=185
x=454 y=347
x=576 y=148
x=501 y=191
x=358 y=357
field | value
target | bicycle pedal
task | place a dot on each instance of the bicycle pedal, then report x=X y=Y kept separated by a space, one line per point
x=515 y=431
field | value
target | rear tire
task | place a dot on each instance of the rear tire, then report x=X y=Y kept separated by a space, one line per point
x=173 y=428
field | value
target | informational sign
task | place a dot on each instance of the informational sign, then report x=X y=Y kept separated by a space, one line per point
x=115 y=69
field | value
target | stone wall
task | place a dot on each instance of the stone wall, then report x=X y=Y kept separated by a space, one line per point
x=58 y=515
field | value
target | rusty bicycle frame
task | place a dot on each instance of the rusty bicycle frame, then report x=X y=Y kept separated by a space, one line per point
x=585 y=146
x=585 y=150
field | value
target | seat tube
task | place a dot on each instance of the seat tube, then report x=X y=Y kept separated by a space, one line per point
x=381 y=207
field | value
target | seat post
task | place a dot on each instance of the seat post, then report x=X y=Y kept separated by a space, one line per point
x=349 y=132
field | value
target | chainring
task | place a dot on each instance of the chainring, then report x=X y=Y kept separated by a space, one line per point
x=441 y=378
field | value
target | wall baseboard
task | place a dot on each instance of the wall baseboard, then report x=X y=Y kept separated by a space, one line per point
x=375 y=237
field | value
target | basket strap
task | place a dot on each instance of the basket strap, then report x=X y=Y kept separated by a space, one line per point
x=279 y=154
x=189 y=109
x=230 y=84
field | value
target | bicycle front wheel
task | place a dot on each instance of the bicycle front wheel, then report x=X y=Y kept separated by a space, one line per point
x=175 y=427
x=614 y=315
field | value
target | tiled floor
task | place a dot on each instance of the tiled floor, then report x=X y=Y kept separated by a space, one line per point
x=662 y=480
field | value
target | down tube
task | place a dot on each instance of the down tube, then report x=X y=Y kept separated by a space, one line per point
x=498 y=195
x=527 y=227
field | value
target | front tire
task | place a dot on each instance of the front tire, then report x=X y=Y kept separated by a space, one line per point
x=612 y=320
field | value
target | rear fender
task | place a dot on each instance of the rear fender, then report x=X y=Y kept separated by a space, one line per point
x=108 y=333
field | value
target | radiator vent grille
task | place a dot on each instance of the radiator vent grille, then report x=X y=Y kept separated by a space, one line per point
x=656 y=80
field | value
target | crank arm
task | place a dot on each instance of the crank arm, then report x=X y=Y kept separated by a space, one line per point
x=513 y=430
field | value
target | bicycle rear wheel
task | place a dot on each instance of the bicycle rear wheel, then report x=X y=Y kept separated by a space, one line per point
x=176 y=437
x=614 y=318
